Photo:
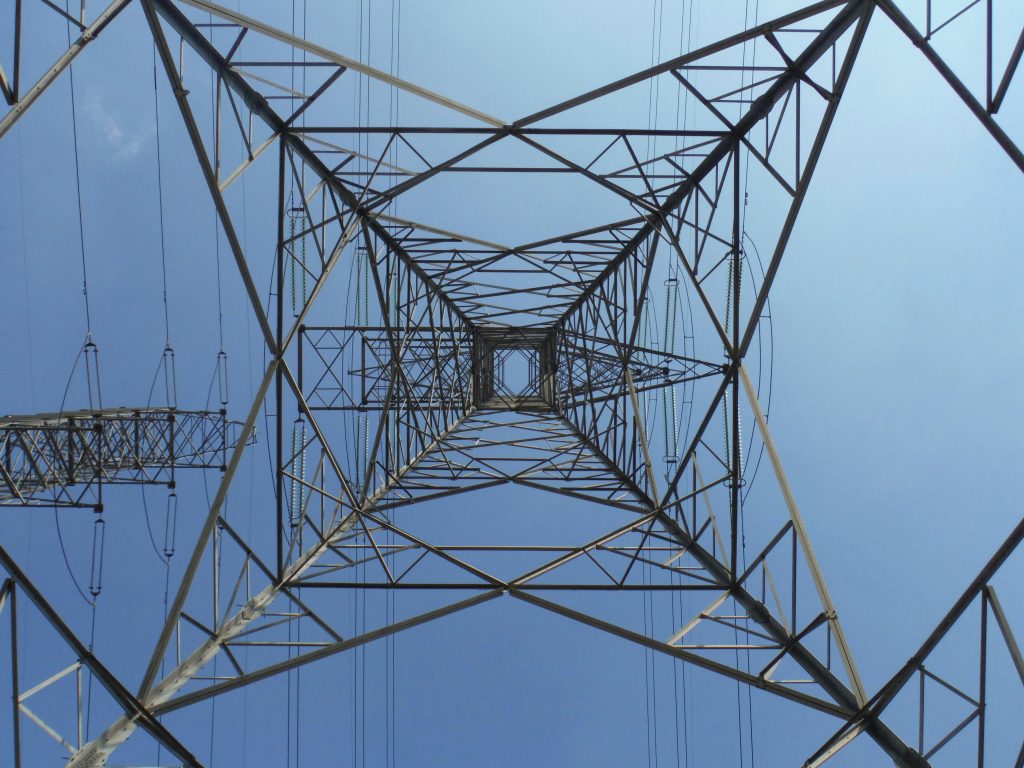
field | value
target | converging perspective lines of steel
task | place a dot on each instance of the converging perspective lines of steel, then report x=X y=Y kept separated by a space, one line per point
x=566 y=313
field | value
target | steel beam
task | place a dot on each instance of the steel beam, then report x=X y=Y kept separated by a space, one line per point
x=247 y=22
x=844 y=698
x=261 y=109
x=870 y=712
x=135 y=711
x=89 y=34
x=55 y=459
x=853 y=12
x=96 y=753
x=970 y=101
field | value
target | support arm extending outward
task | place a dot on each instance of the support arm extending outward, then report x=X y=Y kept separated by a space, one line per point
x=56 y=459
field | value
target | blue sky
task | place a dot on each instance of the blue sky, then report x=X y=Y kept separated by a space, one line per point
x=897 y=362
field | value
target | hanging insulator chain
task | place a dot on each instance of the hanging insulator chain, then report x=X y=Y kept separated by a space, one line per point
x=670 y=416
x=92 y=373
x=290 y=250
x=170 y=524
x=170 y=377
x=305 y=272
x=297 y=282
x=96 y=566
x=297 y=496
x=222 y=378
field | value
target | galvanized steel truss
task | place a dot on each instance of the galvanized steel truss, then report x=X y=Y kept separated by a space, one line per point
x=65 y=459
x=424 y=371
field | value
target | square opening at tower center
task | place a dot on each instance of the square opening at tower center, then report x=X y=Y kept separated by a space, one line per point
x=513 y=368
x=516 y=371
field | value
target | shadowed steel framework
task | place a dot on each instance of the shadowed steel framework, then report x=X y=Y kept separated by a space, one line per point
x=459 y=364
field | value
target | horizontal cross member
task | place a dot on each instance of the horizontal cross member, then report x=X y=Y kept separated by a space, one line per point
x=52 y=459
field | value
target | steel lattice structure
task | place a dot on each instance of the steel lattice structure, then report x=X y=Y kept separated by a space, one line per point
x=461 y=364
x=64 y=459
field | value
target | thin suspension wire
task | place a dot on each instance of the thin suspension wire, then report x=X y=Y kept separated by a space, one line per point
x=160 y=200
x=78 y=188
x=767 y=312
x=742 y=258
x=737 y=473
x=92 y=370
x=91 y=356
x=221 y=368
x=650 y=677
x=771 y=360
x=167 y=359
x=218 y=563
x=94 y=588
x=290 y=265
x=688 y=324
x=753 y=64
x=366 y=422
x=390 y=595
x=170 y=376
x=359 y=600
x=220 y=380
x=671 y=442
x=683 y=744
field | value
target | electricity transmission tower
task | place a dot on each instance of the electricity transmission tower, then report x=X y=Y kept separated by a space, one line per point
x=616 y=366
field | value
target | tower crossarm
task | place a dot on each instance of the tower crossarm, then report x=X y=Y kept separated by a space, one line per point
x=853 y=12
x=62 y=458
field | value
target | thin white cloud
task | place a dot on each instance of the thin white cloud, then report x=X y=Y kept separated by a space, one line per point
x=125 y=145
x=131 y=148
